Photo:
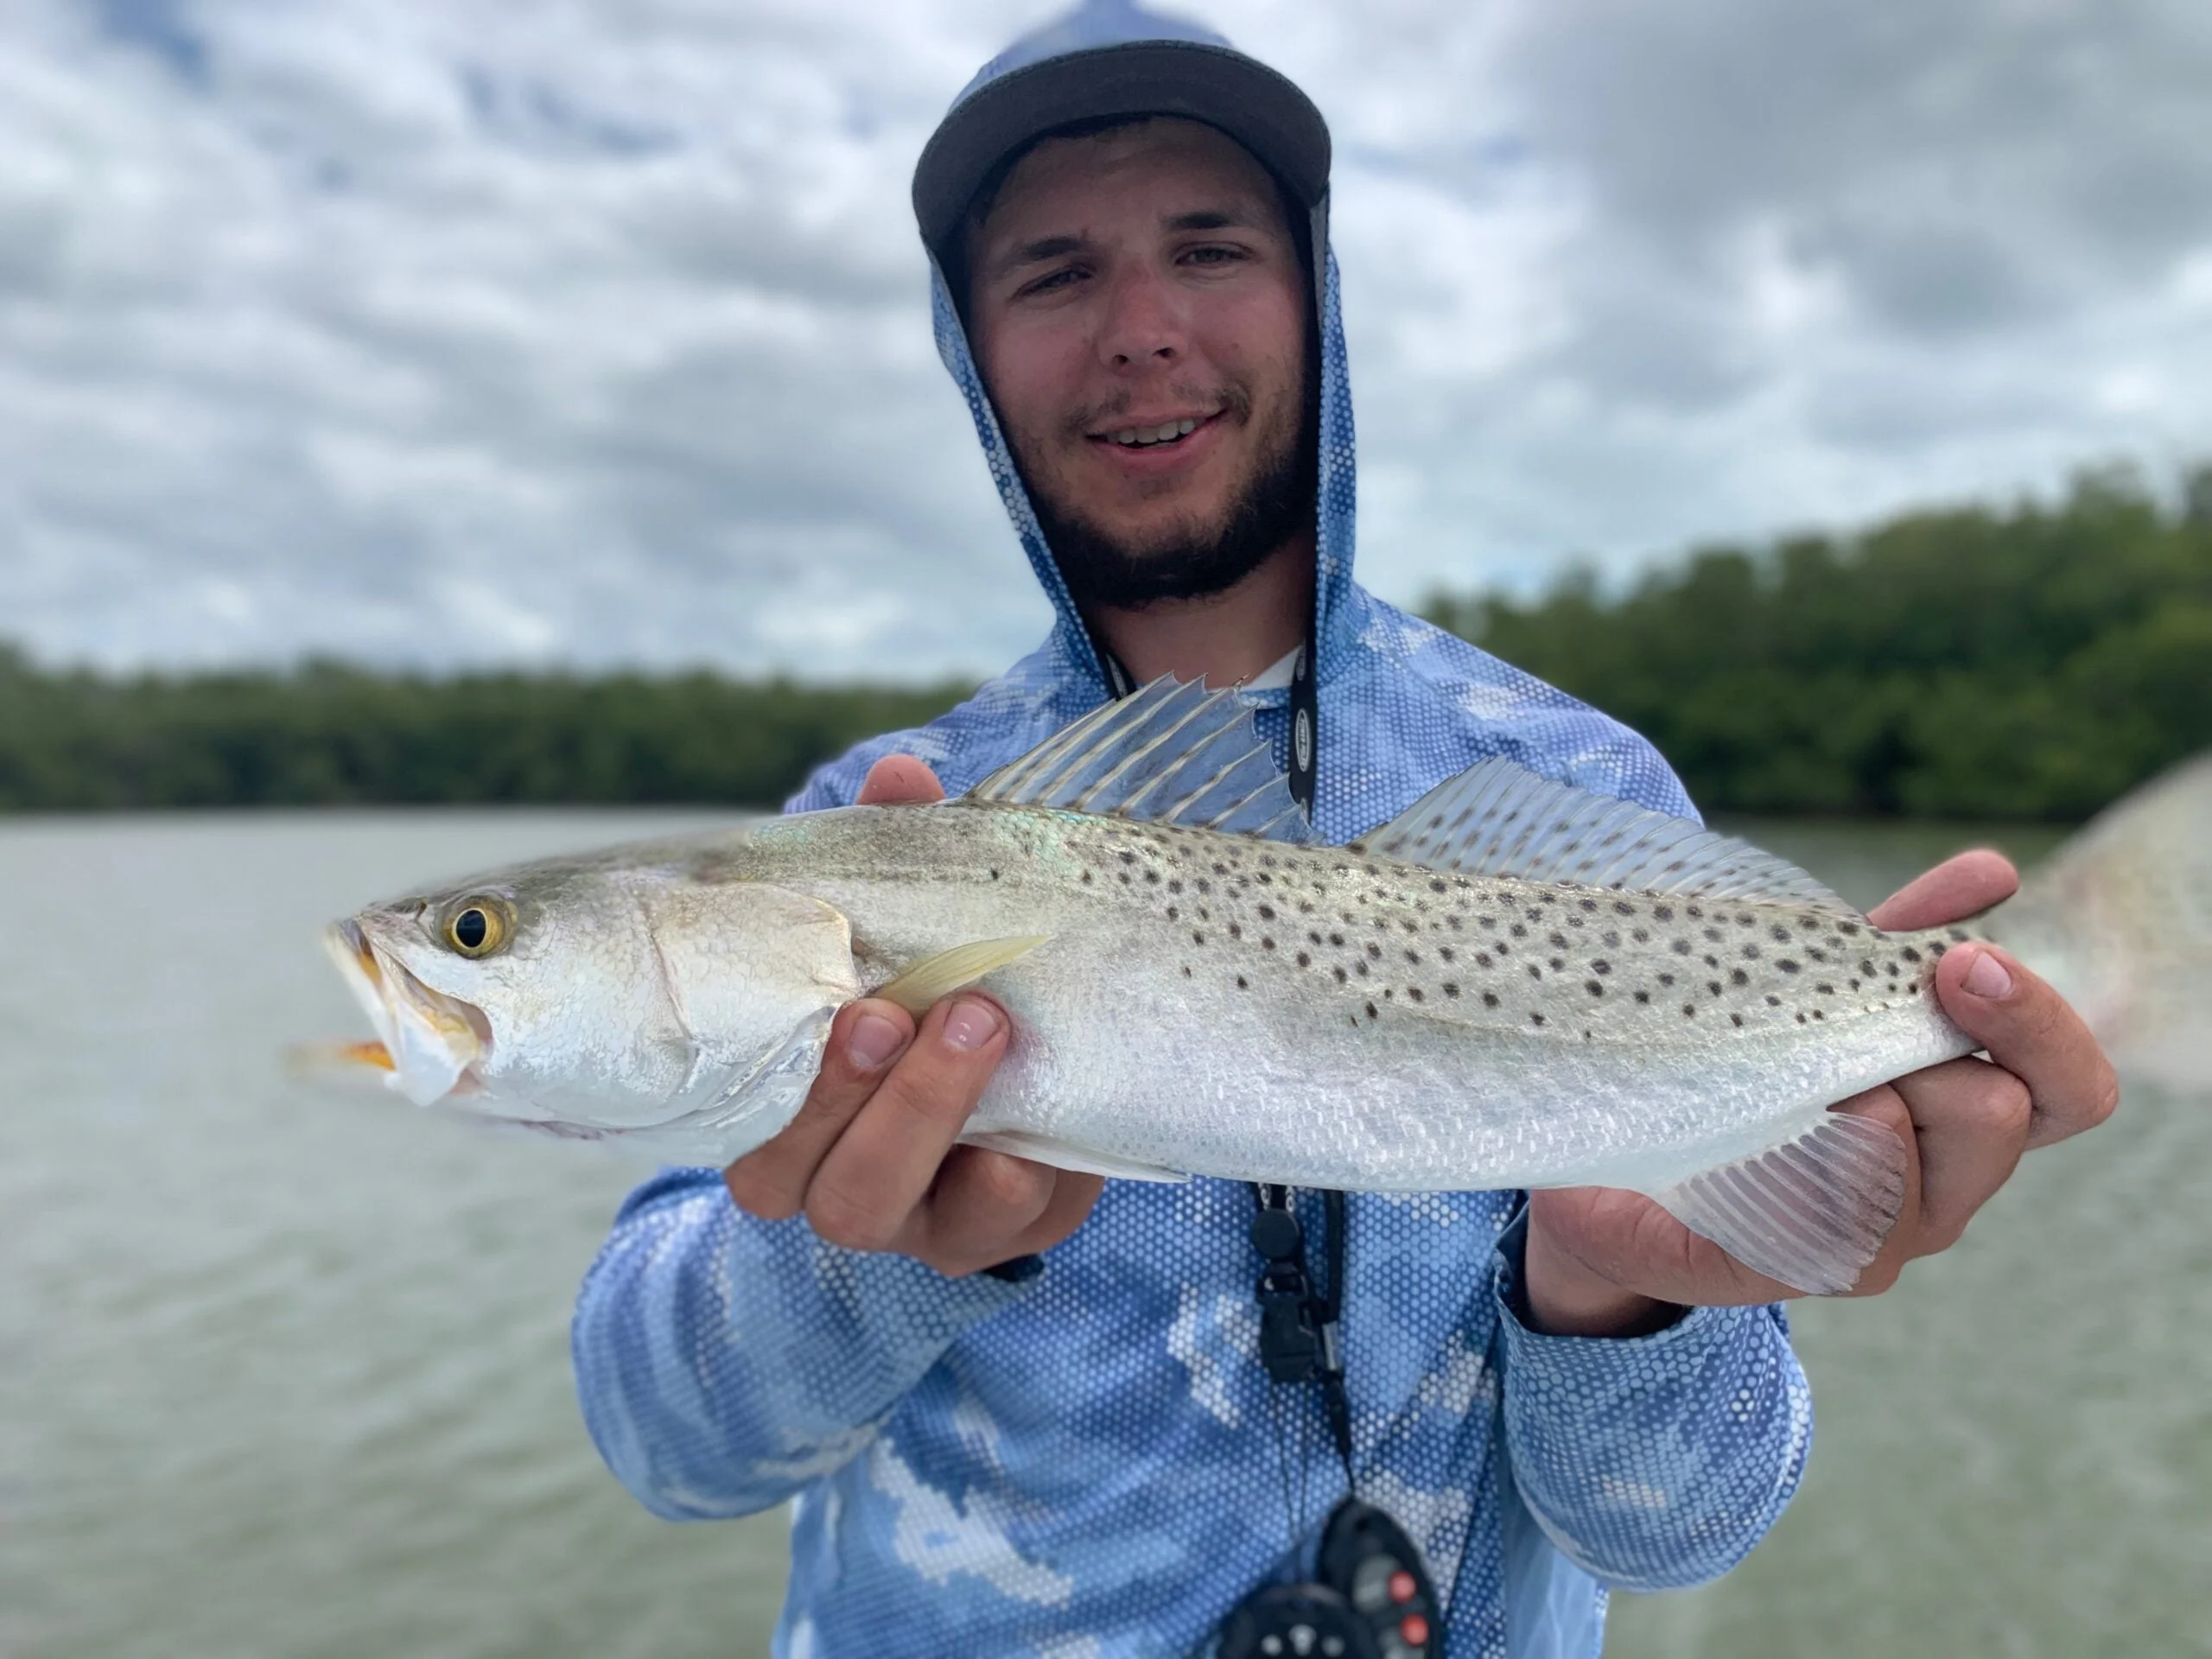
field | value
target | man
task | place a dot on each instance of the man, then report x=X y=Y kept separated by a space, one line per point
x=1021 y=1414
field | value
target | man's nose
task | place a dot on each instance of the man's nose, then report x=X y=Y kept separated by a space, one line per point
x=1143 y=323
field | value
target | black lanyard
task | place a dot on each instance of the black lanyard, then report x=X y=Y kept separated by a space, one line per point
x=1299 y=1320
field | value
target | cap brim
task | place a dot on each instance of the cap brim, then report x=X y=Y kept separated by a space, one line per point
x=1262 y=110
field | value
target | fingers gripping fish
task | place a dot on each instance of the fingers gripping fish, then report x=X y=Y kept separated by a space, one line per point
x=1515 y=983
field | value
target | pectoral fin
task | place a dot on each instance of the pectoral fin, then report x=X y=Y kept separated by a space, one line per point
x=1811 y=1211
x=937 y=977
x=1062 y=1154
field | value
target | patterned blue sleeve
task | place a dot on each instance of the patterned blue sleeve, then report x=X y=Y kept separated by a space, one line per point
x=722 y=1361
x=1654 y=1462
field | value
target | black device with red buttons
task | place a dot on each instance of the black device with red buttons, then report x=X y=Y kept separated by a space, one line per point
x=1368 y=1598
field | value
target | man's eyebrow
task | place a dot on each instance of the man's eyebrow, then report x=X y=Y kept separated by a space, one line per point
x=1210 y=218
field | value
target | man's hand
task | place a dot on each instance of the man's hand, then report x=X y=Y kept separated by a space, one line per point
x=1602 y=1263
x=871 y=1159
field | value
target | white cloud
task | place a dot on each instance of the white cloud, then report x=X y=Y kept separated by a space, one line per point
x=596 y=331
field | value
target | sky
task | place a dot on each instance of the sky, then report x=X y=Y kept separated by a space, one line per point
x=595 y=333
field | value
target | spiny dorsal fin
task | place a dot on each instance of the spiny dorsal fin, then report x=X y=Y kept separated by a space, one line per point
x=1499 y=818
x=1175 y=753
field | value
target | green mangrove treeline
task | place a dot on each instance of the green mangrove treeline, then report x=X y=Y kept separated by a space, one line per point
x=328 y=735
x=2029 y=663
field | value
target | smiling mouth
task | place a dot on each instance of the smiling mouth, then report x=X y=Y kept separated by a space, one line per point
x=1156 y=435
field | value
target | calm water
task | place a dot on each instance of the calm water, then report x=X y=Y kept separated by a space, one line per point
x=285 y=1373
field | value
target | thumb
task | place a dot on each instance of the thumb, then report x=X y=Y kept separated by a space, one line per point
x=900 y=780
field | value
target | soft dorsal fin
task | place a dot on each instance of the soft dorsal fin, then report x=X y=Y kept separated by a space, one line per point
x=1175 y=753
x=1499 y=818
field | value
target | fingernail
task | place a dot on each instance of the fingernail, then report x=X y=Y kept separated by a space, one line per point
x=970 y=1025
x=1988 y=976
x=874 y=1040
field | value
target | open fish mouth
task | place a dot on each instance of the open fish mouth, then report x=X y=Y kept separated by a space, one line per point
x=430 y=1044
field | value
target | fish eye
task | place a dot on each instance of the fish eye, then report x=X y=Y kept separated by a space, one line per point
x=479 y=925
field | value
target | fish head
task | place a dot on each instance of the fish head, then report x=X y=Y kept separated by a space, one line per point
x=598 y=999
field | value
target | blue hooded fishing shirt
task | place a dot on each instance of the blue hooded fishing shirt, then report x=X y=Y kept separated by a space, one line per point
x=1093 y=1462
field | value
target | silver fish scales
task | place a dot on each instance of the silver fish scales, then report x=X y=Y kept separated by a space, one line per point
x=1514 y=984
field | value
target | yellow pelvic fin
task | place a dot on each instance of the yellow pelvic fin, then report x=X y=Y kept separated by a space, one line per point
x=936 y=977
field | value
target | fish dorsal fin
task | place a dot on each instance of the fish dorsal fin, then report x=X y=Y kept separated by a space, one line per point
x=1175 y=753
x=1499 y=818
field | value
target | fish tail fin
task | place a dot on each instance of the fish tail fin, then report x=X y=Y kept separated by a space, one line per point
x=1810 y=1210
x=2119 y=920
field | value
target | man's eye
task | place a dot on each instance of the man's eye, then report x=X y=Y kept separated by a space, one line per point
x=1214 y=256
x=1055 y=280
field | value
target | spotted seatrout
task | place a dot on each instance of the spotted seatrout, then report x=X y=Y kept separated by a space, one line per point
x=1514 y=984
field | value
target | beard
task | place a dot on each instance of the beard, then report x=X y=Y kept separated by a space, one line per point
x=1192 y=559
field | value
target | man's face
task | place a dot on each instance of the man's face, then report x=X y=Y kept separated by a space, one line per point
x=1133 y=281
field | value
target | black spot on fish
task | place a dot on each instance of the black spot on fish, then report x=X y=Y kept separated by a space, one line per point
x=1778 y=933
x=1910 y=954
x=1171 y=912
x=1736 y=1021
x=1594 y=987
x=1586 y=903
x=1186 y=970
x=1662 y=912
x=1737 y=977
x=1644 y=996
x=1666 y=978
x=1086 y=878
x=1370 y=1012
x=1751 y=953
x=1622 y=907
x=1304 y=960
x=1266 y=942
x=1689 y=1010
x=1535 y=1019
x=1489 y=998
x=1375 y=951
x=1713 y=986
x=1601 y=966
x=1680 y=947
x=1786 y=966
x=1340 y=975
x=1438 y=886
x=1241 y=985
x=1267 y=912
x=1772 y=1000
x=1414 y=993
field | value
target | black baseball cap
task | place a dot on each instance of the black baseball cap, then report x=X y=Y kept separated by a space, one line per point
x=1110 y=59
